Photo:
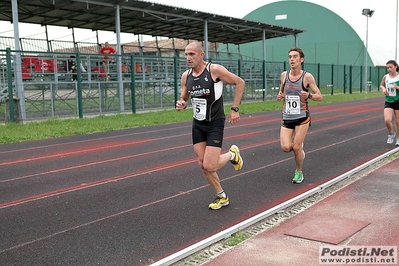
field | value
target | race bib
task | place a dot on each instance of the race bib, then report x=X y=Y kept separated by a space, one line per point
x=292 y=104
x=199 y=108
x=391 y=90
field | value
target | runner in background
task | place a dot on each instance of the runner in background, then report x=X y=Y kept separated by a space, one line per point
x=294 y=90
x=389 y=87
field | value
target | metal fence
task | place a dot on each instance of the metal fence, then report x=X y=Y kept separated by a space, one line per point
x=45 y=85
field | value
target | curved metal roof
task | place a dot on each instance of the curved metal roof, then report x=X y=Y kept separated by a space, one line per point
x=142 y=17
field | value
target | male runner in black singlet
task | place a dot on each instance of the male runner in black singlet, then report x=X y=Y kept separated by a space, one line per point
x=294 y=90
x=204 y=83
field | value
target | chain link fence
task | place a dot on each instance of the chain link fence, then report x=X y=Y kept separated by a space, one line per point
x=49 y=84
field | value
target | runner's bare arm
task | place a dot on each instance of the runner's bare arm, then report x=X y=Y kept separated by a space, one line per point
x=315 y=93
x=182 y=102
x=280 y=94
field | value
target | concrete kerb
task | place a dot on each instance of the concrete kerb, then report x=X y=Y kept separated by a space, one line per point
x=178 y=256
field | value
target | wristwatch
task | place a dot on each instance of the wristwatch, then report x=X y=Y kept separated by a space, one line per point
x=310 y=95
x=235 y=109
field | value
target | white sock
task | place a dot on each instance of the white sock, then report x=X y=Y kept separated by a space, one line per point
x=233 y=155
x=223 y=194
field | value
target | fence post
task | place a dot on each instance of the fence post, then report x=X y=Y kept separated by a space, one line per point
x=175 y=79
x=371 y=79
x=239 y=67
x=78 y=64
x=379 y=77
x=264 y=79
x=239 y=74
x=133 y=82
x=318 y=75
x=350 y=79
x=10 y=88
x=332 y=79
x=79 y=86
x=361 y=78
x=344 y=79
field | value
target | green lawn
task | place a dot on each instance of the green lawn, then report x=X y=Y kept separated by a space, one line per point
x=54 y=128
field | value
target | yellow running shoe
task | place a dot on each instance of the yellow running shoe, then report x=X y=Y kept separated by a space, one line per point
x=219 y=202
x=237 y=161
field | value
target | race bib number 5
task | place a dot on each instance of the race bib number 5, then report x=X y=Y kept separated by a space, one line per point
x=292 y=104
x=199 y=108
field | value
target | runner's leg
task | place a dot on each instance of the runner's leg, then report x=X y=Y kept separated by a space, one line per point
x=300 y=134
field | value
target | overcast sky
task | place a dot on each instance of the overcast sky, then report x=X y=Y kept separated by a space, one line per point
x=382 y=26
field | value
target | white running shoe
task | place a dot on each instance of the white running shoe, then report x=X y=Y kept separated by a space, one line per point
x=391 y=138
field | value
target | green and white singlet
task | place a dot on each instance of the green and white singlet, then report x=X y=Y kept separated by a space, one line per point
x=393 y=94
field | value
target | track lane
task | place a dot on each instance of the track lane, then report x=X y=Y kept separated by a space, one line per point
x=85 y=184
x=157 y=213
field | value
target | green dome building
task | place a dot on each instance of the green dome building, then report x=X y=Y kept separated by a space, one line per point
x=328 y=39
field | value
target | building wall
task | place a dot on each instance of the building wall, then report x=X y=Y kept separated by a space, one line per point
x=327 y=39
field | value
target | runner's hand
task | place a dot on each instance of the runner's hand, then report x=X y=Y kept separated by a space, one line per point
x=234 y=117
x=180 y=105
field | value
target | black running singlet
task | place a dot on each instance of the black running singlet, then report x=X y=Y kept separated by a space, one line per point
x=206 y=96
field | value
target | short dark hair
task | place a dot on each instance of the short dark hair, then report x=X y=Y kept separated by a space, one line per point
x=299 y=50
x=393 y=62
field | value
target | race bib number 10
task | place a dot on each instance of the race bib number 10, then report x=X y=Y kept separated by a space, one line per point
x=292 y=104
x=199 y=108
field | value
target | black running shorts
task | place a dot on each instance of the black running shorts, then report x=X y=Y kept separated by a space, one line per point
x=291 y=124
x=394 y=105
x=210 y=132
